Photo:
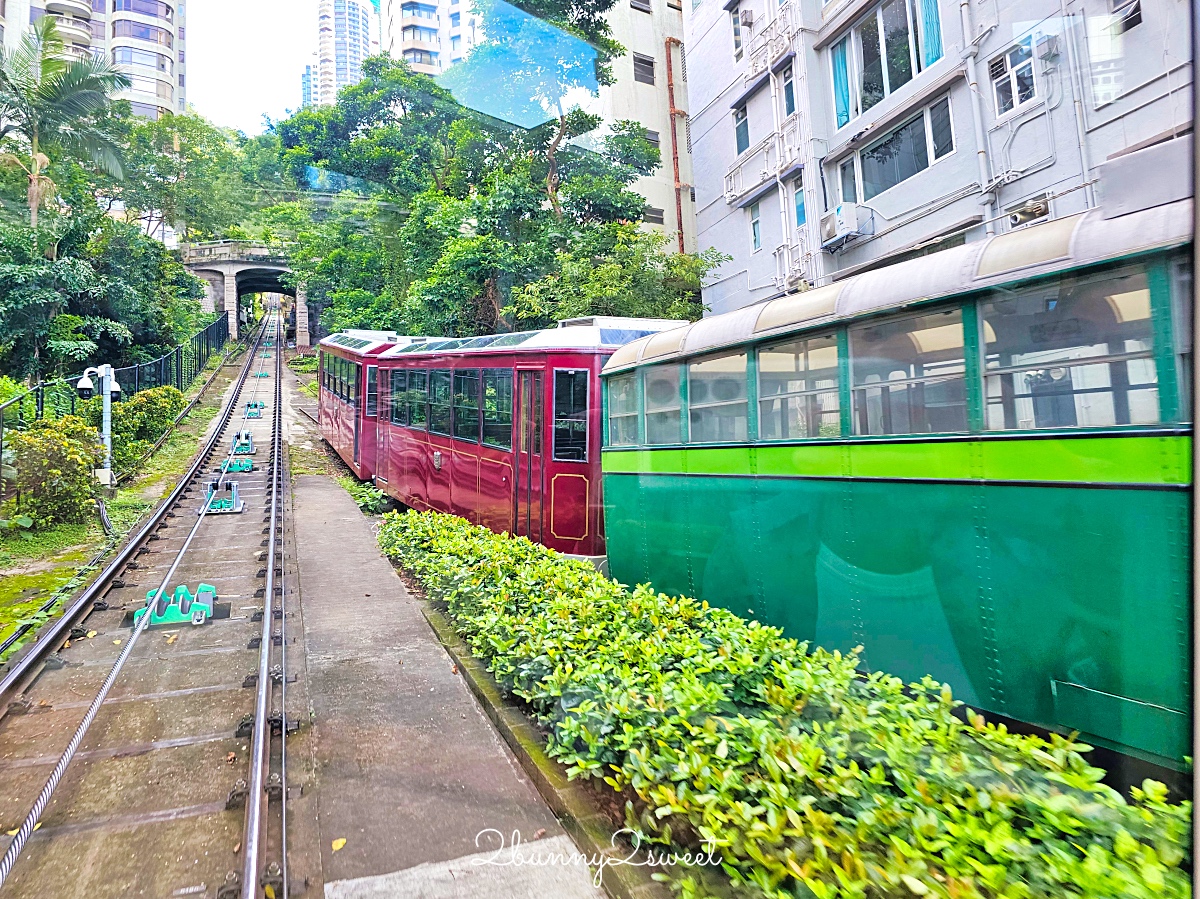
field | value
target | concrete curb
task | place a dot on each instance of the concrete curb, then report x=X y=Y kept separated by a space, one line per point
x=570 y=801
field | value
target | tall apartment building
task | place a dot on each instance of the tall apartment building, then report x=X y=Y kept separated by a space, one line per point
x=144 y=38
x=308 y=84
x=347 y=33
x=831 y=139
x=433 y=35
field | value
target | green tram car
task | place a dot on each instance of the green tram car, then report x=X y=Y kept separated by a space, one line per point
x=975 y=464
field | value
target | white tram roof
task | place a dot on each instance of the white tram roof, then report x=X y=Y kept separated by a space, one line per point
x=367 y=343
x=581 y=333
x=1065 y=243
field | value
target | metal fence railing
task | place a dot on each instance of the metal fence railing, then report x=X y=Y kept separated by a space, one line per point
x=54 y=399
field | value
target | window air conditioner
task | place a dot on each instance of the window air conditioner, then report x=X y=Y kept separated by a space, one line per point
x=843 y=224
x=747 y=18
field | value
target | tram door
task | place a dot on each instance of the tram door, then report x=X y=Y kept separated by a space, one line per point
x=528 y=478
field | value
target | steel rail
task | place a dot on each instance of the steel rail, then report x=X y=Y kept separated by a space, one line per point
x=13 y=852
x=256 y=798
x=55 y=633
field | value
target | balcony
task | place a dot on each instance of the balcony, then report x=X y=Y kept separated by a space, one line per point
x=74 y=31
x=753 y=168
x=80 y=9
x=772 y=42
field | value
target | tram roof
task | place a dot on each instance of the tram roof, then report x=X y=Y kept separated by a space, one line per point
x=1067 y=243
x=597 y=332
x=368 y=343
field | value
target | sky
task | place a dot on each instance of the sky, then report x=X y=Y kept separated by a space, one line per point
x=245 y=58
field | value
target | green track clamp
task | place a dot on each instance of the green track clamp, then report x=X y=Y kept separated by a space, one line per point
x=262 y=374
x=255 y=409
x=237 y=466
x=179 y=608
x=217 y=504
x=243 y=444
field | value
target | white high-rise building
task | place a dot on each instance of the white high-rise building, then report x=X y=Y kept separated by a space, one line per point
x=144 y=38
x=348 y=32
x=650 y=86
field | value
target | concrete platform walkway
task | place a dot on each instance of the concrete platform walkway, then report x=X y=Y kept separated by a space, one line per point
x=408 y=770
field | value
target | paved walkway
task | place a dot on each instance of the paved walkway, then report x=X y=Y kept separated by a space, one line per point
x=409 y=771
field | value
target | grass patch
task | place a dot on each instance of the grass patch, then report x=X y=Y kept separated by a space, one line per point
x=44 y=544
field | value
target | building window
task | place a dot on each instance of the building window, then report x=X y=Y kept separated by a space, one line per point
x=145 y=8
x=663 y=405
x=717 y=408
x=1013 y=81
x=909 y=375
x=901 y=153
x=418 y=33
x=440 y=402
x=789 y=93
x=741 y=130
x=798 y=389
x=653 y=215
x=623 y=410
x=641 y=5
x=455 y=19
x=798 y=200
x=419 y=10
x=466 y=404
x=643 y=68
x=652 y=138
x=571 y=415
x=142 y=32
x=421 y=57
x=735 y=18
x=497 y=407
x=1073 y=352
x=455 y=43
x=1126 y=15
x=895 y=42
x=755 y=228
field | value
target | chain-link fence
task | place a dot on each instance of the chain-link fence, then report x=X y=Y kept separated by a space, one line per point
x=54 y=399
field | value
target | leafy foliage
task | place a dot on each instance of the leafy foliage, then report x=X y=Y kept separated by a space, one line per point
x=55 y=461
x=369 y=498
x=137 y=423
x=476 y=225
x=807 y=778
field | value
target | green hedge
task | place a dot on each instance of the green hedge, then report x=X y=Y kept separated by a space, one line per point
x=810 y=779
x=137 y=422
x=55 y=463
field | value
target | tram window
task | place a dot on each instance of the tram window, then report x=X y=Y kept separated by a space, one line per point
x=717 y=408
x=623 y=410
x=372 y=391
x=1072 y=352
x=663 y=407
x=418 y=399
x=355 y=376
x=466 y=404
x=497 y=407
x=798 y=389
x=339 y=377
x=570 y=415
x=399 y=391
x=321 y=371
x=439 y=402
x=909 y=375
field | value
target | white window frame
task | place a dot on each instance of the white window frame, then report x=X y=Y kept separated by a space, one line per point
x=755 y=213
x=854 y=62
x=740 y=116
x=924 y=113
x=1009 y=75
x=789 y=82
x=736 y=22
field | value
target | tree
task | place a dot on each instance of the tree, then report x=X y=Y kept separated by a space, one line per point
x=49 y=101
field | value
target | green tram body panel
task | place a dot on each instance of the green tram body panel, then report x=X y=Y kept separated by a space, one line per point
x=1044 y=578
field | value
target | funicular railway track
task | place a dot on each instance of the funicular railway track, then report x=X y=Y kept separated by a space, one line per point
x=142 y=755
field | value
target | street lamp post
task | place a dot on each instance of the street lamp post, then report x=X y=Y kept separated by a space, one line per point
x=109 y=390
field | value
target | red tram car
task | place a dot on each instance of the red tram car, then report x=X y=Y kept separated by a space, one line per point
x=504 y=430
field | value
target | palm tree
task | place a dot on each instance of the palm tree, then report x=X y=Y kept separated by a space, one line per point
x=49 y=100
